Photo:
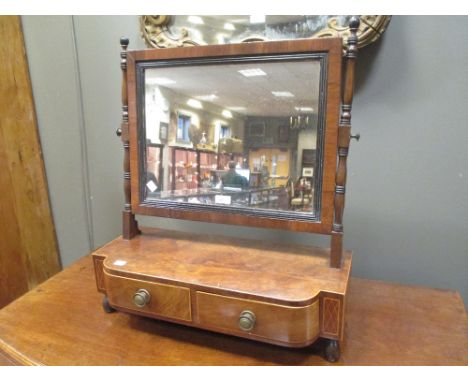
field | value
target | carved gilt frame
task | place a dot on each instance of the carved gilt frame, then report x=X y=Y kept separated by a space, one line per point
x=156 y=32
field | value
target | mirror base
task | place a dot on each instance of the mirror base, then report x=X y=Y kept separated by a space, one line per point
x=208 y=281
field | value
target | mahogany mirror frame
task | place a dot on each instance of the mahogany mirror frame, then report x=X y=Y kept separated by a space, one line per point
x=331 y=47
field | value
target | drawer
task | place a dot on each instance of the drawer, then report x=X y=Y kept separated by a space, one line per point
x=272 y=322
x=164 y=300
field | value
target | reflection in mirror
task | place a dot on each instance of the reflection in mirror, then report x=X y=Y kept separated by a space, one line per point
x=223 y=29
x=242 y=135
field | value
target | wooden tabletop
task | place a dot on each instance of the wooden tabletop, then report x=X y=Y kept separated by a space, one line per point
x=62 y=323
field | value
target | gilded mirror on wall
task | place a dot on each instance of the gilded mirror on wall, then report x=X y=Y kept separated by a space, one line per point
x=162 y=31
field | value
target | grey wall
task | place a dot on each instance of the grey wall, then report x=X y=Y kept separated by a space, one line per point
x=75 y=72
x=406 y=213
x=52 y=65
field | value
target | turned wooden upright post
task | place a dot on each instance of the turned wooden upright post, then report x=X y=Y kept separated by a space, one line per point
x=129 y=224
x=344 y=137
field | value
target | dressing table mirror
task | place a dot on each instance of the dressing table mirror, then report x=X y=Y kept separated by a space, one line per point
x=253 y=134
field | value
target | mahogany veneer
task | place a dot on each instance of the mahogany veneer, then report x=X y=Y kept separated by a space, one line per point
x=208 y=281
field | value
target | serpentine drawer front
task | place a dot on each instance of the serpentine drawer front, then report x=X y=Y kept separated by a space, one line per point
x=274 y=323
x=153 y=299
x=247 y=289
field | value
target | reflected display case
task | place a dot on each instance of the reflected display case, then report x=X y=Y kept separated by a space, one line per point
x=256 y=134
x=184 y=169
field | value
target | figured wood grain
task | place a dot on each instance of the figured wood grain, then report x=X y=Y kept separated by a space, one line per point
x=331 y=46
x=166 y=300
x=292 y=326
x=28 y=248
x=285 y=274
x=387 y=324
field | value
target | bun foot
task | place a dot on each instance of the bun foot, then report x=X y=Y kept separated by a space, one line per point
x=332 y=351
x=106 y=306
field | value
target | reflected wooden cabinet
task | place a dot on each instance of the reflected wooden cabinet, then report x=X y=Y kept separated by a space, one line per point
x=274 y=162
x=207 y=162
x=184 y=169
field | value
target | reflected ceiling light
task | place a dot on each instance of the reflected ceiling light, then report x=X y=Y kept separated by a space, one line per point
x=237 y=108
x=229 y=26
x=195 y=103
x=257 y=19
x=304 y=109
x=227 y=114
x=240 y=20
x=195 y=20
x=160 y=81
x=282 y=94
x=252 y=72
x=207 y=97
x=220 y=38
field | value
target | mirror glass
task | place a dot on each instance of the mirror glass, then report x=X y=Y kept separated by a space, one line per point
x=238 y=134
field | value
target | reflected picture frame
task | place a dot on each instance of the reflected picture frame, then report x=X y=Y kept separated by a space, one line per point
x=257 y=129
x=283 y=134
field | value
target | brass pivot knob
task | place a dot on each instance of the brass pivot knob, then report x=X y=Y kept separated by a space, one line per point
x=357 y=137
x=141 y=298
x=247 y=320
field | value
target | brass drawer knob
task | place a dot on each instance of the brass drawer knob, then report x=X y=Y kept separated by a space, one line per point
x=141 y=298
x=247 y=320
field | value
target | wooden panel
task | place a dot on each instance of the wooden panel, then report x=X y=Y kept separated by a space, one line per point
x=331 y=308
x=99 y=271
x=28 y=249
x=289 y=325
x=332 y=46
x=166 y=300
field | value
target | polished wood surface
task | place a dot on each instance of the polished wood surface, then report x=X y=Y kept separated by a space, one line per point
x=166 y=300
x=290 y=326
x=343 y=144
x=62 y=323
x=287 y=274
x=332 y=46
x=28 y=247
x=285 y=285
